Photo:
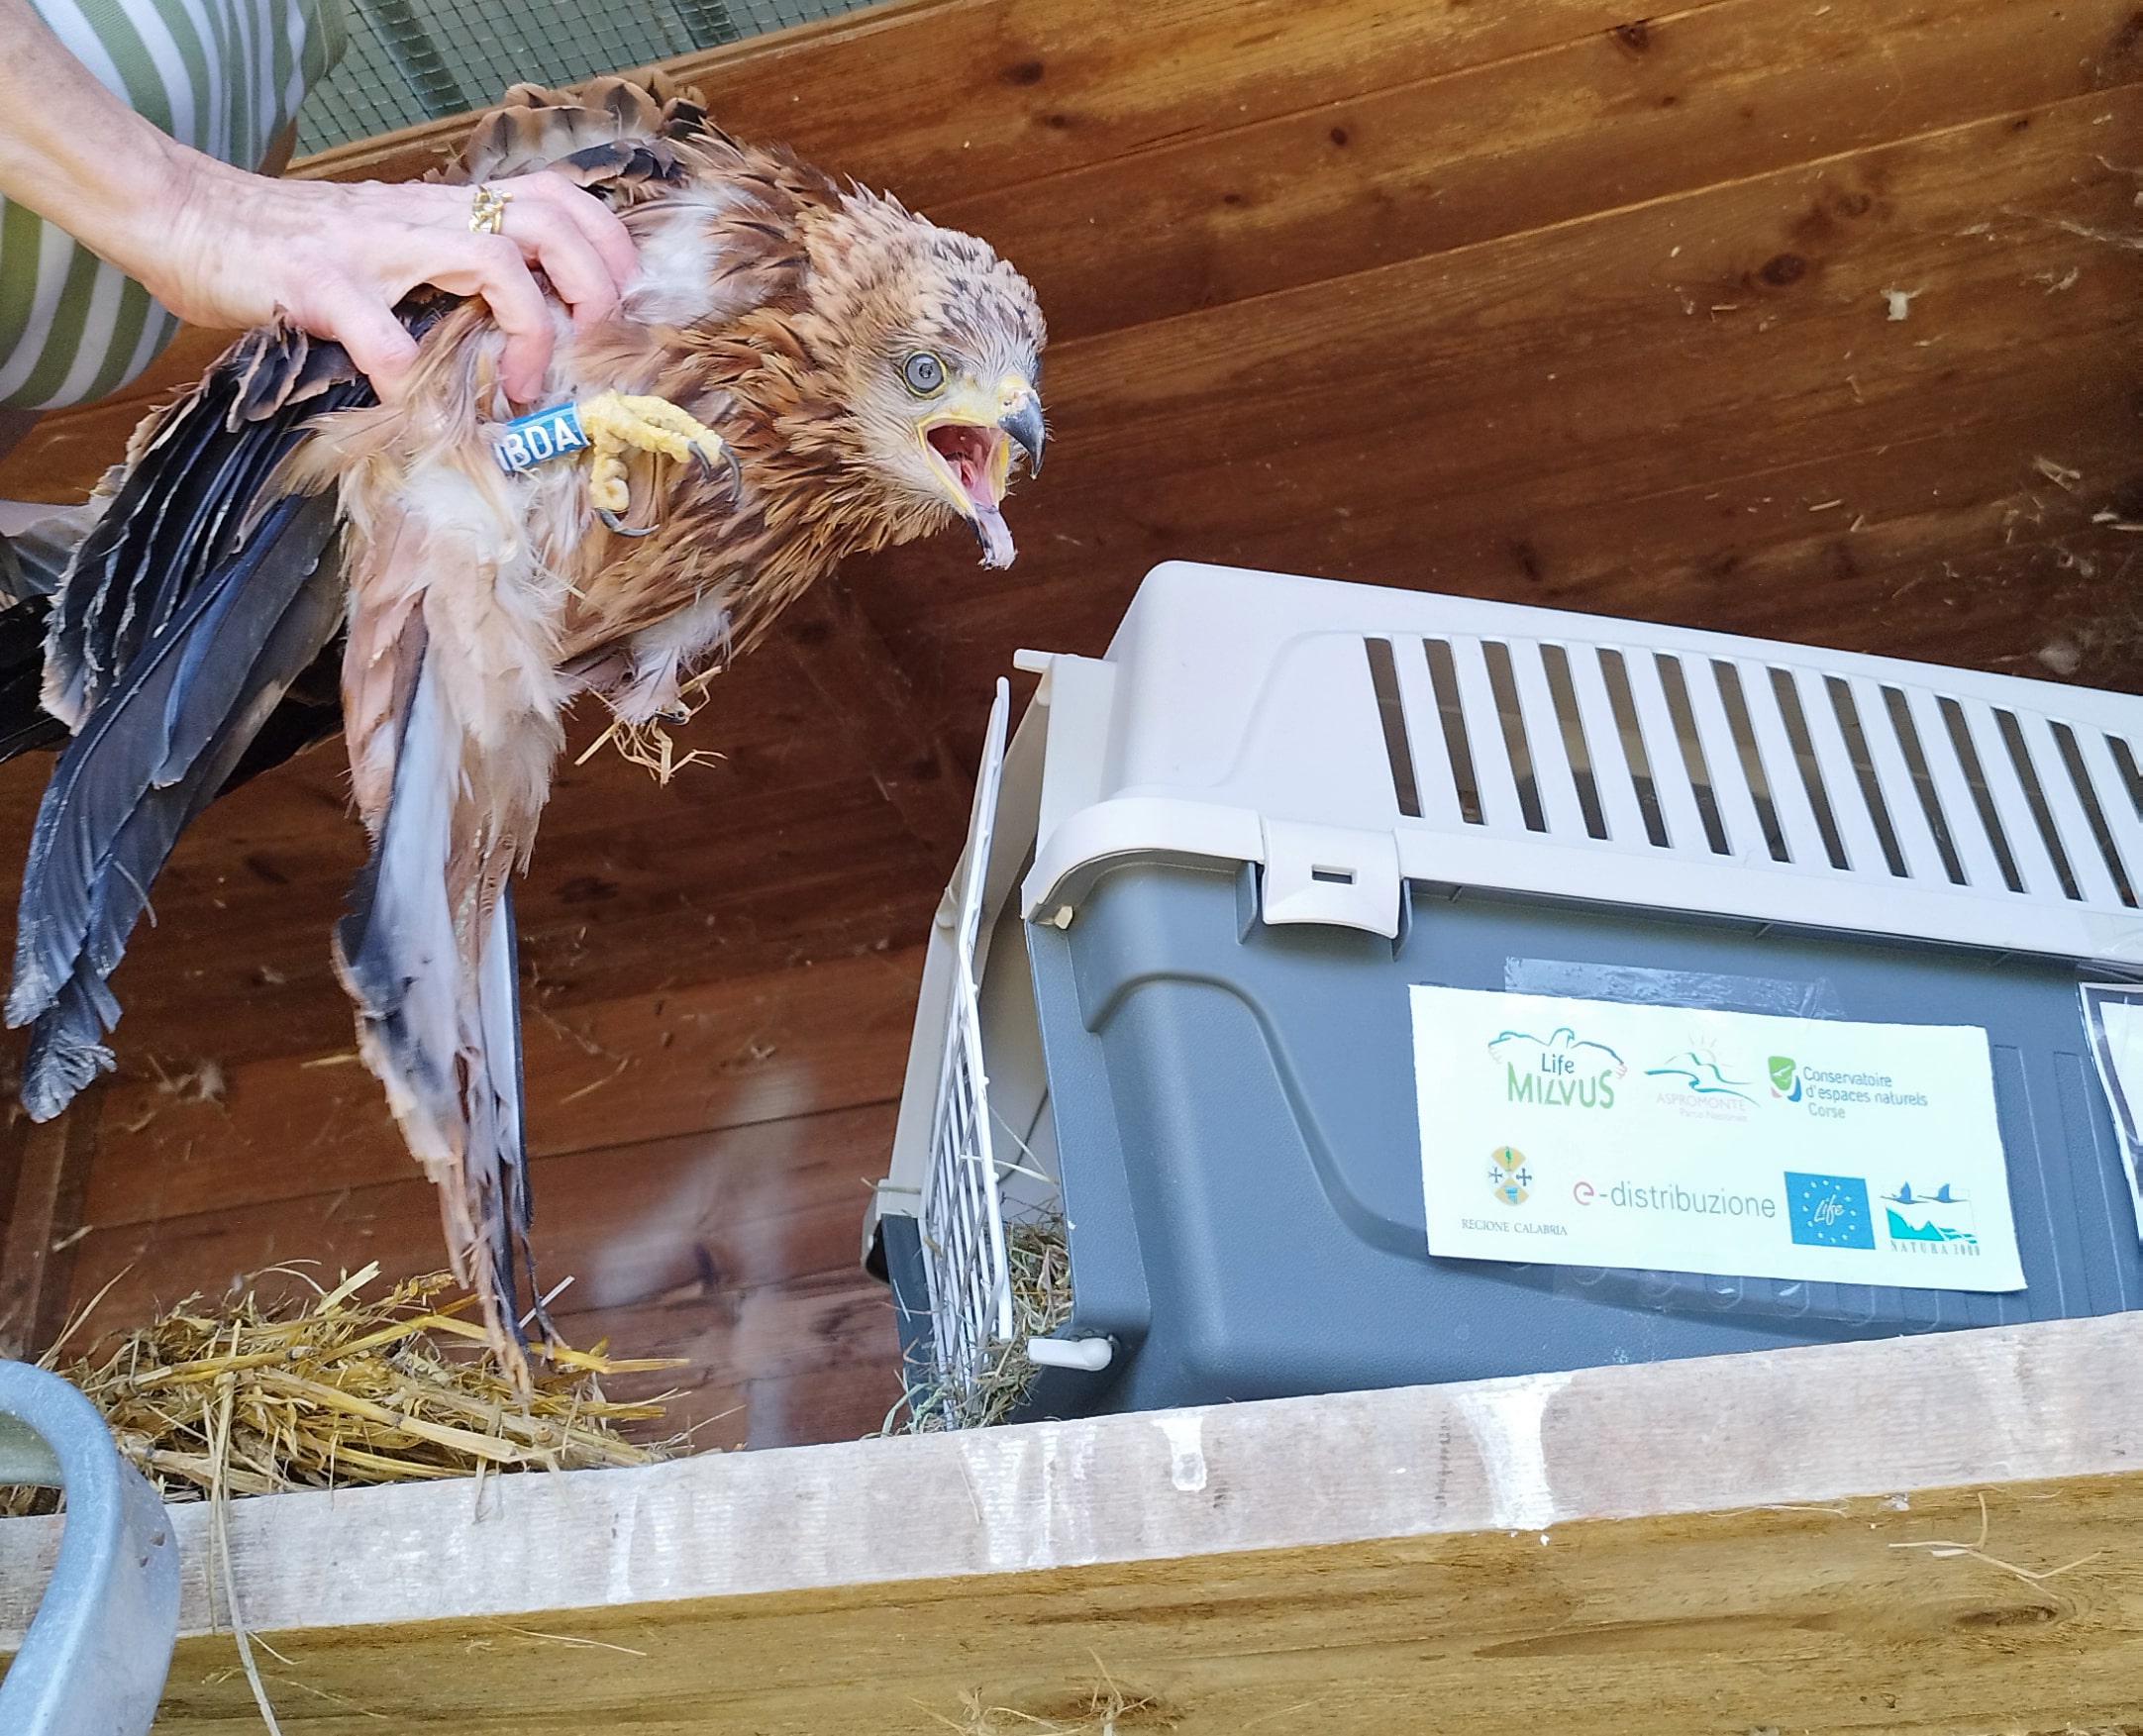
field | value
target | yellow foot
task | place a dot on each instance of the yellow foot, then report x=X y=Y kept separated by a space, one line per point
x=616 y=422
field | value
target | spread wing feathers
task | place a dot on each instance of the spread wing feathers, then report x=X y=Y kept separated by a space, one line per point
x=476 y=604
x=154 y=751
x=195 y=475
x=189 y=608
x=617 y=136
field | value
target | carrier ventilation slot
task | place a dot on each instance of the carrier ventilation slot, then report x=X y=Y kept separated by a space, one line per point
x=1384 y=677
x=1632 y=734
x=2130 y=774
x=1515 y=744
x=1864 y=772
x=1982 y=797
x=1444 y=676
x=1923 y=781
x=1876 y=792
x=1752 y=758
x=1677 y=689
x=2027 y=773
x=2086 y=792
x=1556 y=660
x=1788 y=694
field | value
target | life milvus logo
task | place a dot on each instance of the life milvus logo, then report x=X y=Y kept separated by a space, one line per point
x=1786 y=1078
x=1560 y=1069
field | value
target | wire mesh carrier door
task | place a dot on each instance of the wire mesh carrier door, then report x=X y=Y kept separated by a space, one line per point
x=963 y=1217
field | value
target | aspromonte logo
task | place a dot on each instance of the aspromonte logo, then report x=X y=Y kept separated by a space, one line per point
x=1560 y=1069
x=1700 y=1075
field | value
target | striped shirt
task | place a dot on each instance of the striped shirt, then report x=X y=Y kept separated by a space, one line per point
x=225 y=76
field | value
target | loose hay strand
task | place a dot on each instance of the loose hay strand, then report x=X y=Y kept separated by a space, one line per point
x=254 y=1398
x=1949 y=1549
x=1107 y=1713
x=219 y=1496
x=649 y=745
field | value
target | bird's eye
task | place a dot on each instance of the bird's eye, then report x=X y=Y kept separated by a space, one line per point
x=923 y=372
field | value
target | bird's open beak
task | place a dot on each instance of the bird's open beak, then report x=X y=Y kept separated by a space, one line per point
x=969 y=438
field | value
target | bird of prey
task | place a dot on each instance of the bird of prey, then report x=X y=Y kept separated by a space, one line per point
x=802 y=371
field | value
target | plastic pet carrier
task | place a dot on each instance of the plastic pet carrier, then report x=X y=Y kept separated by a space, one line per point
x=1363 y=988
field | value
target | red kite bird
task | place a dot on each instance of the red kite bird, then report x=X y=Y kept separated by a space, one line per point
x=801 y=371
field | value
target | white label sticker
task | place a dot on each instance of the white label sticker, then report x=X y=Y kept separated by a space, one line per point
x=1677 y=1139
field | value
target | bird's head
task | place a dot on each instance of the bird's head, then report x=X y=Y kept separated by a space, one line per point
x=942 y=357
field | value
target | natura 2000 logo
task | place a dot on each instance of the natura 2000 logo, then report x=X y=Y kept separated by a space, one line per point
x=1560 y=1069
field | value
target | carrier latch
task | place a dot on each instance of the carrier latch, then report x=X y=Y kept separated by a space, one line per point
x=1332 y=874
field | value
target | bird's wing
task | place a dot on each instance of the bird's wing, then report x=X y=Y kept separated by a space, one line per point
x=616 y=136
x=201 y=594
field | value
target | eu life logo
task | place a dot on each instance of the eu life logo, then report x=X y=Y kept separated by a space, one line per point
x=1829 y=1211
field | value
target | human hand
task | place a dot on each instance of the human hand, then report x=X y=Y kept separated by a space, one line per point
x=223 y=247
x=236 y=249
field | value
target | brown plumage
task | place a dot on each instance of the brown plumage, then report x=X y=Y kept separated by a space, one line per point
x=869 y=377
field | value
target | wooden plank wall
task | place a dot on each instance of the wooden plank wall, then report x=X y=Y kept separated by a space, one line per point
x=702 y=1159
x=703 y=1137
x=1548 y=303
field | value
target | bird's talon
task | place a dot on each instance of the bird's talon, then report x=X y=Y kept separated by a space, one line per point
x=615 y=421
x=620 y=527
x=618 y=422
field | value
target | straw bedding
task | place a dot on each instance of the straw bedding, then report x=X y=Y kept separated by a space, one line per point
x=330 y=1387
x=1039 y=1265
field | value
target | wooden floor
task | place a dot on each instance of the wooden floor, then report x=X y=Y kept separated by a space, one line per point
x=1544 y=303
x=1917 y=1536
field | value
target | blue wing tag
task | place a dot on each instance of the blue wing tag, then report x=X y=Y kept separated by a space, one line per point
x=527 y=441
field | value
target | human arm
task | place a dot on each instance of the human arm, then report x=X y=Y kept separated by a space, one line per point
x=224 y=248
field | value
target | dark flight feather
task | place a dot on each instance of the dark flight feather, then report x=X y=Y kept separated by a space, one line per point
x=153 y=753
x=186 y=612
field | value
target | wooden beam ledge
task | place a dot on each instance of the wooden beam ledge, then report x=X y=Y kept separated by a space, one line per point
x=1930 y=1534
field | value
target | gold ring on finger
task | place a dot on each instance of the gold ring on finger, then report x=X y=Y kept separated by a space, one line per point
x=488 y=211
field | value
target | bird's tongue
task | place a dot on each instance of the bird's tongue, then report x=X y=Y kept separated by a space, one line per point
x=968 y=452
x=993 y=534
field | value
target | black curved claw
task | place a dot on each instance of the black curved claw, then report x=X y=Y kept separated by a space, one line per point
x=729 y=458
x=620 y=527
